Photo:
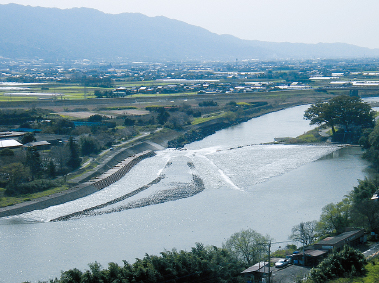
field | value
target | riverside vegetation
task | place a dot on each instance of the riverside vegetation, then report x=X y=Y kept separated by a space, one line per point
x=357 y=209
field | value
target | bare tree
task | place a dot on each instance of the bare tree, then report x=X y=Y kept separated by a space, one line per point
x=247 y=246
x=304 y=233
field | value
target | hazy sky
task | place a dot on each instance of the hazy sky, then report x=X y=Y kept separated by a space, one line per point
x=307 y=21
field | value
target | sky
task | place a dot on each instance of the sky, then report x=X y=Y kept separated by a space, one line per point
x=301 y=21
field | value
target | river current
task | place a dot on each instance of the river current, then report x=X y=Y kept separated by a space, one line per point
x=203 y=193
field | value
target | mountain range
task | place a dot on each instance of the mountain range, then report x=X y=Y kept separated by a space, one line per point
x=83 y=33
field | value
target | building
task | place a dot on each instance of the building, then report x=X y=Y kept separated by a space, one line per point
x=351 y=238
x=9 y=144
x=257 y=272
x=11 y=135
x=40 y=145
x=309 y=257
x=313 y=256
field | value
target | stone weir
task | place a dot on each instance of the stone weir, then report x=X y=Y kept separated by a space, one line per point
x=107 y=178
x=118 y=171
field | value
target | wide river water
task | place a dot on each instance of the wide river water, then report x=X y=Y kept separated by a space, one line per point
x=204 y=193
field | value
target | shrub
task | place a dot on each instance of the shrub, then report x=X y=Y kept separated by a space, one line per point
x=31 y=187
x=346 y=263
x=6 y=152
x=208 y=103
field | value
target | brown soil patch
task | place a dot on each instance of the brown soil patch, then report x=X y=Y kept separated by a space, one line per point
x=133 y=112
x=79 y=115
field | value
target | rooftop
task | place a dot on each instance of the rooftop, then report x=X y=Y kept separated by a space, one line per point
x=339 y=238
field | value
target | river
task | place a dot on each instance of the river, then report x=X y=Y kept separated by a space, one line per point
x=204 y=193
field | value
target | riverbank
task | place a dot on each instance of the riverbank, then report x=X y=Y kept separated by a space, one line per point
x=157 y=140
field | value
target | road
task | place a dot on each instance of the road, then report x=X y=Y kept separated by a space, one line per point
x=289 y=274
x=372 y=251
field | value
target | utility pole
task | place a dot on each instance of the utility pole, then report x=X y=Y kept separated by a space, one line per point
x=269 y=261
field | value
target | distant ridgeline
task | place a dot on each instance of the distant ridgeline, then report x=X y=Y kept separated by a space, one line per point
x=82 y=33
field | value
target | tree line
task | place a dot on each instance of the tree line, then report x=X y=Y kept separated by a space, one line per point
x=200 y=264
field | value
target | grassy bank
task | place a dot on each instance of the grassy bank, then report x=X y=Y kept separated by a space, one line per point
x=8 y=201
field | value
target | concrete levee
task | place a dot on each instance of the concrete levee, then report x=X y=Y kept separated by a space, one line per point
x=107 y=178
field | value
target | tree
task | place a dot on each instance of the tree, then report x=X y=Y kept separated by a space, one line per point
x=247 y=246
x=304 y=233
x=62 y=126
x=27 y=138
x=321 y=114
x=17 y=173
x=129 y=122
x=370 y=142
x=71 y=276
x=95 y=118
x=163 y=116
x=88 y=145
x=366 y=210
x=343 y=110
x=201 y=264
x=74 y=159
x=335 y=218
x=33 y=161
x=6 y=152
x=60 y=155
x=51 y=171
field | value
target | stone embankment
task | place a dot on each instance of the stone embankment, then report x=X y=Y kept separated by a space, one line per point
x=117 y=172
x=107 y=178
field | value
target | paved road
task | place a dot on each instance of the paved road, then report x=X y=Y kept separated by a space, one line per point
x=289 y=274
x=372 y=251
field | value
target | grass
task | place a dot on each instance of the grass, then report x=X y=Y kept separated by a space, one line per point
x=163 y=94
x=311 y=136
x=200 y=120
x=243 y=104
x=69 y=91
x=117 y=108
x=7 y=98
x=7 y=201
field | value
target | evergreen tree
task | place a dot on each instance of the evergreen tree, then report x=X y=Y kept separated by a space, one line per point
x=33 y=161
x=51 y=169
x=74 y=160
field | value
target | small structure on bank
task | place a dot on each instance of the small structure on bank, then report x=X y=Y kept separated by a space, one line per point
x=321 y=249
x=257 y=273
x=351 y=238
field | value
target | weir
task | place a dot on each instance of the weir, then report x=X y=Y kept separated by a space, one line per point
x=109 y=177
